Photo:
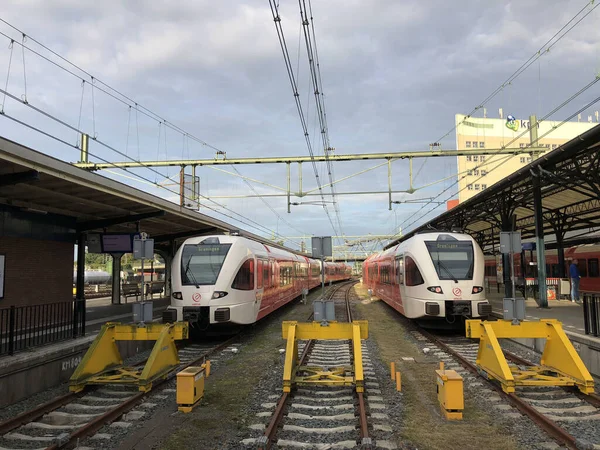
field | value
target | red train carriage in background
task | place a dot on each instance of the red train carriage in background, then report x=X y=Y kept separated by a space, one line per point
x=588 y=257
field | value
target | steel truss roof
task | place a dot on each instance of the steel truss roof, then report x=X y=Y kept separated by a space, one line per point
x=570 y=180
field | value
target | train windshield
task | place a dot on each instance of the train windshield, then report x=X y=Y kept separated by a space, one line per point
x=201 y=263
x=452 y=260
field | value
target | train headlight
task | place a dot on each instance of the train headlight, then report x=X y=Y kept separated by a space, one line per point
x=177 y=296
x=477 y=289
x=219 y=294
x=435 y=289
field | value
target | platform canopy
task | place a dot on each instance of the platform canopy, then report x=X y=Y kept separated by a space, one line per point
x=570 y=191
x=54 y=192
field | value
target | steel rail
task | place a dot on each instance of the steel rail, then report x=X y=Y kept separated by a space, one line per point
x=593 y=399
x=550 y=427
x=97 y=423
x=37 y=412
x=268 y=438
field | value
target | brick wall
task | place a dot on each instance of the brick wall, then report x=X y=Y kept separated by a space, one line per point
x=36 y=271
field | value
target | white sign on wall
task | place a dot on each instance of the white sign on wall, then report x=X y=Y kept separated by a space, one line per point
x=2 y=260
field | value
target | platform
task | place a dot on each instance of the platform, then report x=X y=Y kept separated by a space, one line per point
x=569 y=313
x=49 y=365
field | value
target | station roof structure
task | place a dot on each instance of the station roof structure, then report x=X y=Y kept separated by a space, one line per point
x=570 y=188
x=56 y=192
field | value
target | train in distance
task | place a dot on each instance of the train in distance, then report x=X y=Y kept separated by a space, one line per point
x=436 y=278
x=227 y=281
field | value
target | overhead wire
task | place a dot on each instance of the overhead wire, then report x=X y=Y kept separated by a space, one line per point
x=303 y=120
x=556 y=109
x=545 y=48
x=244 y=219
x=129 y=102
x=317 y=83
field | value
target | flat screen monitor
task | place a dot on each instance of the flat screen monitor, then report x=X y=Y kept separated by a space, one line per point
x=117 y=243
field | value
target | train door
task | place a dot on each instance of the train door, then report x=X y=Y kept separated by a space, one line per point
x=399 y=279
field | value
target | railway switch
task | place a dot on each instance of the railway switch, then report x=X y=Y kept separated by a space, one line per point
x=190 y=386
x=450 y=393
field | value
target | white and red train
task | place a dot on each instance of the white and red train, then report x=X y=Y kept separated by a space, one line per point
x=587 y=256
x=434 y=275
x=227 y=280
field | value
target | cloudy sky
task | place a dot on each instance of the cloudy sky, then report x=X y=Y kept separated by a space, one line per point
x=394 y=75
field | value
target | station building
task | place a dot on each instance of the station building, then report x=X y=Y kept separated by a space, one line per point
x=478 y=172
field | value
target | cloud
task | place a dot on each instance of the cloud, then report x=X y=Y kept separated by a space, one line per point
x=394 y=75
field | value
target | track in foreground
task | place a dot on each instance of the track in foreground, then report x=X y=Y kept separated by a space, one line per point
x=66 y=420
x=570 y=418
x=311 y=416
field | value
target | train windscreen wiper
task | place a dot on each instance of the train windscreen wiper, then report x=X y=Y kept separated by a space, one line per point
x=443 y=266
x=190 y=274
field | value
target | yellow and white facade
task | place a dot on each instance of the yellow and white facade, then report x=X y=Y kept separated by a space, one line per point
x=478 y=172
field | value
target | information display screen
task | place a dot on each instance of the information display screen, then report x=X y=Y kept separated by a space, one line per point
x=117 y=243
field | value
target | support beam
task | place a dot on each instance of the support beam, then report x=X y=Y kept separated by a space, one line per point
x=316 y=158
x=103 y=223
x=288 y=188
x=79 y=308
x=539 y=223
x=390 y=185
x=116 y=278
x=10 y=179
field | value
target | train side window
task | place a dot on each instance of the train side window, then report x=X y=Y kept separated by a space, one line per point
x=593 y=269
x=266 y=276
x=244 y=279
x=582 y=266
x=259 y=278
x=400 y=270
x=272 y=273
x=413 y=276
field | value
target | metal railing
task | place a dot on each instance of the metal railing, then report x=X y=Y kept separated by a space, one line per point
x=591 y=313
x=23 y=327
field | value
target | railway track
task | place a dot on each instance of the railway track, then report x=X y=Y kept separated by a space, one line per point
x=570 y=418
x=71 y=418
x=311 y=417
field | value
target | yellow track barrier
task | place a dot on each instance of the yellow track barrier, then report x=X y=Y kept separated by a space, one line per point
x=560 y=363
x=102 y=363
x=294 y=374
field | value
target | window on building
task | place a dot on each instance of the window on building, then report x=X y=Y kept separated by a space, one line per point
x=521 y=145
x=469 y=158
x=481 y=144
x=482 y=158
x=468 y=144
x=469 y=187
x=528 y=160
x=554 y=146
x=522 y=159
x=483 y=172
x=547 y=145
x=476 y=187
x=476 y=172
x=475 y=158
x=469 y=172
x=483 y=186
x=412 y=275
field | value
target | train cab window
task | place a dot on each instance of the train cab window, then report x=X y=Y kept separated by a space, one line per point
x=201 y=263
x=582 y=266
x=452 y=259
x=259 y=278
x=412 y=274
x=593 y=269
x=244 y=280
